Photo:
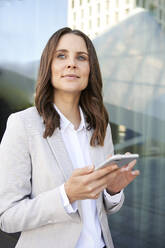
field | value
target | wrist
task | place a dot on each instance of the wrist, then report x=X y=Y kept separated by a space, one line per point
x=67 y=191
x=112 y=192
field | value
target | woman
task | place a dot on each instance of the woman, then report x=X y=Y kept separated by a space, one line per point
x=49 y=188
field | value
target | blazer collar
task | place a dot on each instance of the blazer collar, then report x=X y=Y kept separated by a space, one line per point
x=64 y=122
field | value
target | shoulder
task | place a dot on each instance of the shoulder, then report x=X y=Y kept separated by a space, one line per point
x=25 y=119
x=25 y=114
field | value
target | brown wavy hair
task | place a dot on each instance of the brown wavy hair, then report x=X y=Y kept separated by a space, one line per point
x=91 y=100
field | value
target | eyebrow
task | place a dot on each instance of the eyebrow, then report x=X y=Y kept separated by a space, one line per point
x=66 y=51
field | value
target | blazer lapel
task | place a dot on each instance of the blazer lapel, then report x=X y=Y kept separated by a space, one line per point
x=61 y=155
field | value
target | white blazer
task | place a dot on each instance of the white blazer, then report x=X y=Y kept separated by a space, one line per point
x=31 y=170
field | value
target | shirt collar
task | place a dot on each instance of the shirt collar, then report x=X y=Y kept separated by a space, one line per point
x=64 y=122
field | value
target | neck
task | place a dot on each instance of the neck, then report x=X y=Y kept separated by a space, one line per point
x=69 y=107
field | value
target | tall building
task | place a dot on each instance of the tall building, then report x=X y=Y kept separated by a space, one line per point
x=95 y=16
x=157 y=7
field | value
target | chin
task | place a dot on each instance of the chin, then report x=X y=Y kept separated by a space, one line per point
x=75 y=89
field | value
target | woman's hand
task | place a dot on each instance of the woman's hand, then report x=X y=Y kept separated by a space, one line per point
x=87 y=183
x=121 y=177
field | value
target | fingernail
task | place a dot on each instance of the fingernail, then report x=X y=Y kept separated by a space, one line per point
x=135 y=173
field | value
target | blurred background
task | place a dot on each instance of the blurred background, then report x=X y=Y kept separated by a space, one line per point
x=129 y=37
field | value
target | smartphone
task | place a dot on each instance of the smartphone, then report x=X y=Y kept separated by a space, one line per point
x=119 y=159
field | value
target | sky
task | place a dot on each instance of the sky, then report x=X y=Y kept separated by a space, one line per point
x=26 y=25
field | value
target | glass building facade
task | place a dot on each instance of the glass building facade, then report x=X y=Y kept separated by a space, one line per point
x=132 y=57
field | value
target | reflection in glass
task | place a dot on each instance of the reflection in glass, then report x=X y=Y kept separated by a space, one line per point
x=132 y=56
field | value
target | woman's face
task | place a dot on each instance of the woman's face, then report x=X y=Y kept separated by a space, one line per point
x=70 y=66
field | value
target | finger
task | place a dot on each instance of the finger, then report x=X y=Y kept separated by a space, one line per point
x=100 y=183
x=83 y=171
x=94 y=196
x=97 y=174
x=129 y=166
x=127 y=153
x=135 y=173
x=132 y=164
x=96 y=193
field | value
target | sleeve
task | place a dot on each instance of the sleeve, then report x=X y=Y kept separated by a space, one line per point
x=115 y=199
x=18 y=210
x=110 y=205
x=69 y=208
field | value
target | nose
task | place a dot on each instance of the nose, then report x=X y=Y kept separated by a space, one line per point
x=71 y=63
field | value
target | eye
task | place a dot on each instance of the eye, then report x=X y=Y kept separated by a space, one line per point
x=61 y=56
x=81 y=57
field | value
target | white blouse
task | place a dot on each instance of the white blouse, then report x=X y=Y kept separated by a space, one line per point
x=77 y=146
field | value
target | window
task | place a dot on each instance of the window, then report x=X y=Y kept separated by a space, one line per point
x=74 y=16
x=137 y=2
x=152 y=7
x=144 y=3
x=164 y=15
x=82 y=25
x=72 y=4
x=90 y=24
x=107 y=5
x=127 y=11
x=117 y=16
x=107 y=19
x=98 y=7
x=82 y=13
x=98 y=22
x=160 y=14
x=90 y=10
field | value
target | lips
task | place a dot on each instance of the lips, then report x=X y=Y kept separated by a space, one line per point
x=70 y=76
